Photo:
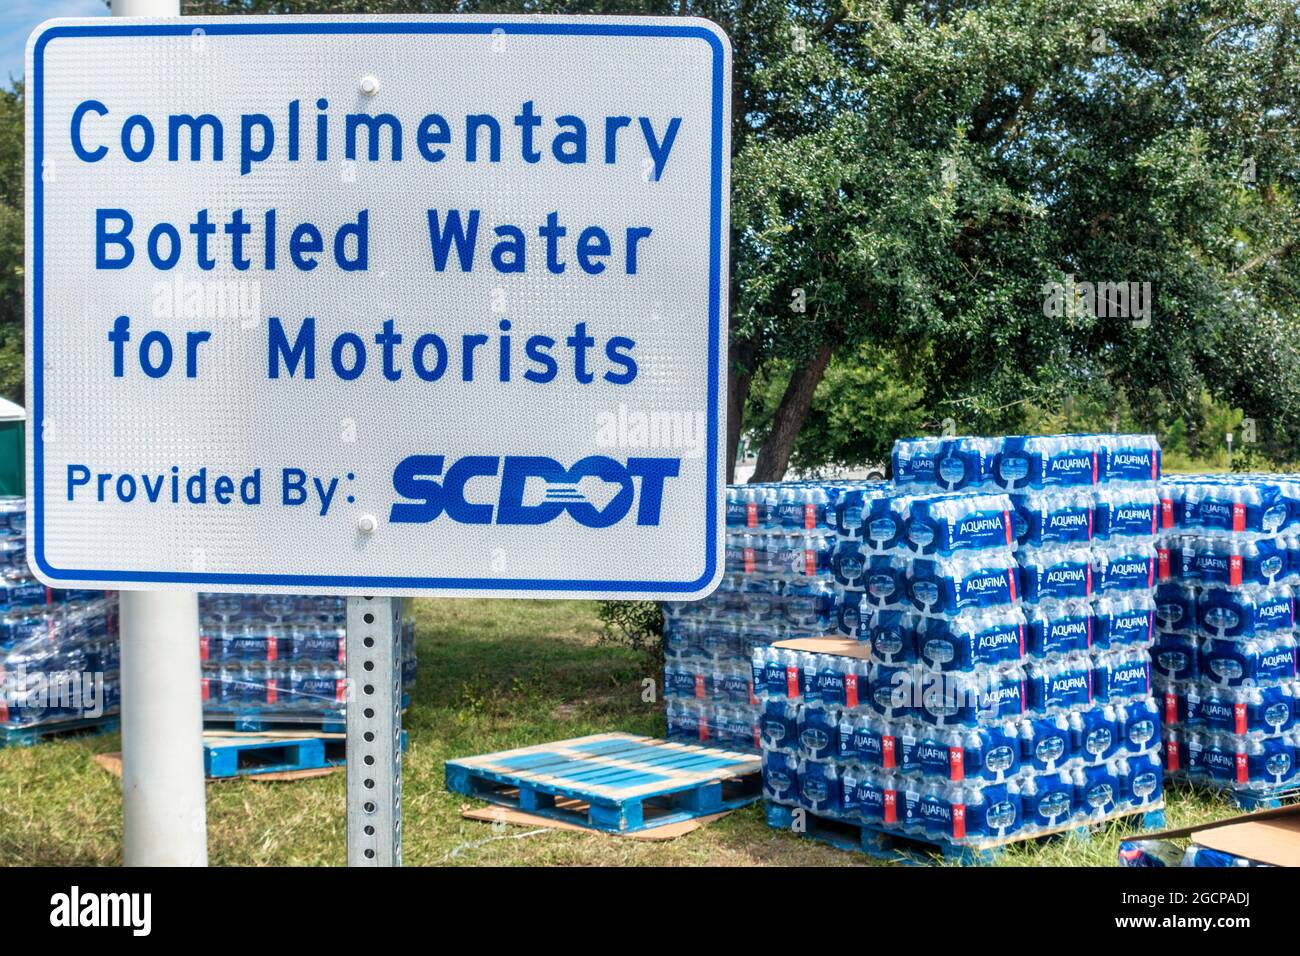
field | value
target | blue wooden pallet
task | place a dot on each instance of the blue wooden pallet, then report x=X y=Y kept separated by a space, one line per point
x=614 y=782
x=894 y=847
x=243 y=756
x=248 y=755
x=30 y=736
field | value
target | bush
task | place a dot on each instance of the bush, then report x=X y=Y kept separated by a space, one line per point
x=635 y=624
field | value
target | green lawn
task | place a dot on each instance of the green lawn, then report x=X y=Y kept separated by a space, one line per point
x=493 y=675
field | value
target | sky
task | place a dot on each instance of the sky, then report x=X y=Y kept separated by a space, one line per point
x=19 y=17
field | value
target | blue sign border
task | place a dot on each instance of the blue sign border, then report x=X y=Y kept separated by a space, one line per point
x=464 y=27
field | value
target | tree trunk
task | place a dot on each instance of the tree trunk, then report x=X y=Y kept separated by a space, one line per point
x=774 y=456
x=740 y=372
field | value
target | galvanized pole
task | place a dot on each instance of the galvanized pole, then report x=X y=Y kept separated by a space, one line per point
x=164 y=814
x=374 y=702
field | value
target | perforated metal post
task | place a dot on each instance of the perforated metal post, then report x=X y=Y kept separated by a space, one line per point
x=374 y=652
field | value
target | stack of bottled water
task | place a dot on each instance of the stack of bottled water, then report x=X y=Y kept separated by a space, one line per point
x=1225 y=660
x=279 y=657
x=58 y=648
x=777 y=585
x=1002 y=598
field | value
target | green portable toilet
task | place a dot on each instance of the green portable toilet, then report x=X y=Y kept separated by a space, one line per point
x=13 y=449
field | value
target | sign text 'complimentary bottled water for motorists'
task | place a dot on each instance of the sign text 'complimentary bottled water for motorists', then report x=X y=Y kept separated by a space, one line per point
x=349 y=305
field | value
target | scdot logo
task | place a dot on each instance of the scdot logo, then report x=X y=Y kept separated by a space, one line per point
x=596 y=491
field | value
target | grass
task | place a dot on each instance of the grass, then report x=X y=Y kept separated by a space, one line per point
x=492 y=675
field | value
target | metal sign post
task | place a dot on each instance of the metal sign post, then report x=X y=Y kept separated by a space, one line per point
x=374 y=651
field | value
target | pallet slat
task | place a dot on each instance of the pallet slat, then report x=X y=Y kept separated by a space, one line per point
x=615 y=782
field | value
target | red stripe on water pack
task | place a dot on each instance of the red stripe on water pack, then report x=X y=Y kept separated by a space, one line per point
x=271 y=694
x=1171 y=707
x=1089 y=624
x=749 y=561
x=1238 y=517
x=1094 y=467
x=1151 y=573
x=851 y=690
x=792 y=682
x=809 y=562
x=699 y=687
x=959 y=821
x=891 y=806
x=1243 y=769
x=1171 y=756
x=751 y=515
x=1234 y=569
x=1006 y=519
x=1166 y=512
x=1239 y=715
x=810 y=516
x=203 y=648
x=887 y=752
x=956 y=763
x=1162 y=560
x=1011 y=577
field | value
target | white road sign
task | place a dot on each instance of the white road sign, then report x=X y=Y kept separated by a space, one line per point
x=383 y=305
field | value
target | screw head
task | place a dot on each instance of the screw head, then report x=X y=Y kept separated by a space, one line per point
x=367 y=524
x=369 y=85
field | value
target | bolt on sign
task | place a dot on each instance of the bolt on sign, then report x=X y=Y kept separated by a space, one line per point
x=384 y=305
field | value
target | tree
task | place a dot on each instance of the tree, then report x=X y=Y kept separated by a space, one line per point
x=981 y=159
x=11 y=243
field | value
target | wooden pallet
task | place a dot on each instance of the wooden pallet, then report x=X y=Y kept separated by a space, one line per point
x=896 y=847
x=237 y=756
x=30 y=736
x=614 y=782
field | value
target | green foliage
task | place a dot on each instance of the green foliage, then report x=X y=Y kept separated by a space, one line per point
x=861 y=406
x=11 y=243
x=970 y=154
x=635 y=624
